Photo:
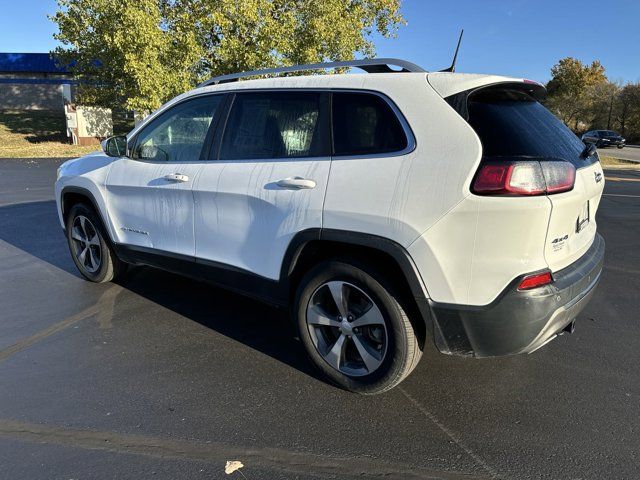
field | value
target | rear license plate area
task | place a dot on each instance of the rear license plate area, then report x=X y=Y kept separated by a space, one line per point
x=583 y=218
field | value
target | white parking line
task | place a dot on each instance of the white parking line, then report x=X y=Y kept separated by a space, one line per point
x=215 y=453
x=621 y=179
x=449 y=433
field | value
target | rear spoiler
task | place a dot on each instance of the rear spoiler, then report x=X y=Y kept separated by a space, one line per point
x=448 y=84
x=458 y=101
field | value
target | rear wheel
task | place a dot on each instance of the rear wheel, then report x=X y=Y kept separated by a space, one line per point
x=90 y=250
x=355 y=328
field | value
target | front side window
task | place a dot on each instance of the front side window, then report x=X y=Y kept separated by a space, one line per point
x=178 y=134
x=365 y=124
x=265 y=125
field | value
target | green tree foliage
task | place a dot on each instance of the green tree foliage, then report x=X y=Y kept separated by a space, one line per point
x=140 y=53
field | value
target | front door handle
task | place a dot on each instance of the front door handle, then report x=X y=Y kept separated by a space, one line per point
x=296 y=183
x=177 y=177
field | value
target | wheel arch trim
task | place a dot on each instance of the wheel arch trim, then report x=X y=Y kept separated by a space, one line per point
x=72 y=189
x=384 y=245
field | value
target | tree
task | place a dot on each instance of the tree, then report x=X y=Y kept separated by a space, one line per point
x=571 y=89
x=628 y=111
x=584 y=99
x=570 y=76
x=602 y=104
x=140 y=53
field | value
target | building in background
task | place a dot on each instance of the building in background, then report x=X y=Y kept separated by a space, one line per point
x=33 y=81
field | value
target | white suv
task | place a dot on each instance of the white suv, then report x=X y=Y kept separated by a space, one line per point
x=381 y=209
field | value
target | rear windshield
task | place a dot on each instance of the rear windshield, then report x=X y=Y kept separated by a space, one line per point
x=607 y=133
x=511 y=123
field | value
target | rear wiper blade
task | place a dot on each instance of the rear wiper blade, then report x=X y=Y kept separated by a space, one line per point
x=589 y=149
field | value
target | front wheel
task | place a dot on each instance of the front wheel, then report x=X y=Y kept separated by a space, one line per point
x=354 y=327
x=620 y=146
x=90 y=250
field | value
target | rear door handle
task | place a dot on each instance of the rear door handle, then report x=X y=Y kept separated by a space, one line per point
x=176 y=177
x=296 y=183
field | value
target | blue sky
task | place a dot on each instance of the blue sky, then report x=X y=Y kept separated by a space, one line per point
x=518 y=37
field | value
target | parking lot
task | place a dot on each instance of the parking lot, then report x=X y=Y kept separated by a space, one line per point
x=159 y=376
x=627 y=153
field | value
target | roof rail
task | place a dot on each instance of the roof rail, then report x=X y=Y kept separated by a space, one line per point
x=369 y=65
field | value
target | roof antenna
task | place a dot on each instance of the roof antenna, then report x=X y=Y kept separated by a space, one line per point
x=452 y=68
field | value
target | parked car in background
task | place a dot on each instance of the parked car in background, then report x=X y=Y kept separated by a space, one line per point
x=379 y=209
x=604 y=138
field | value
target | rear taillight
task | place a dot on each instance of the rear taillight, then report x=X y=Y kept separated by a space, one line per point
x=524 y=178
x=559 y=176
x=535 y=280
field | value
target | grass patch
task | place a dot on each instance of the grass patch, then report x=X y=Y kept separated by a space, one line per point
x=41 y=134
x=606 y=161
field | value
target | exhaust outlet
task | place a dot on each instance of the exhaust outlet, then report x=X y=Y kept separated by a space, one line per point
x=570 y=327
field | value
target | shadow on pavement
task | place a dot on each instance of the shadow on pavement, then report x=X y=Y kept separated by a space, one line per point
x=34 y=228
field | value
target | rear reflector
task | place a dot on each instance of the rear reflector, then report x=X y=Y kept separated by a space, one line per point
x=528 y=177
x=535 y=280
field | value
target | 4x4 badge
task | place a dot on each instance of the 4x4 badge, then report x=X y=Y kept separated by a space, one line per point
x=598 y=176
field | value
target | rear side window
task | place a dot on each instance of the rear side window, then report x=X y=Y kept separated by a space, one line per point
x=364 y=124
x=511 y=123
x=266 y=125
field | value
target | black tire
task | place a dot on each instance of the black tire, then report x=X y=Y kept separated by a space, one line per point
x=403 y=348
x=109 y=266
x=620 y=146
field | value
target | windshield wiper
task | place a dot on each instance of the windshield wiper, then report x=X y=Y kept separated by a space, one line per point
x=589 y=149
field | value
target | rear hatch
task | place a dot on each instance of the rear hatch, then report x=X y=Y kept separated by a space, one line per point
x=515 y=129
x=572 y=226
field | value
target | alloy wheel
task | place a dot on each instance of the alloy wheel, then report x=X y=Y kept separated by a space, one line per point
x=86 y=244
x=347 y=328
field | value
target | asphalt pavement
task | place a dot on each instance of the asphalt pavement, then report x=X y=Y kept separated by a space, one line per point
x=626 y=153
x=159 y=376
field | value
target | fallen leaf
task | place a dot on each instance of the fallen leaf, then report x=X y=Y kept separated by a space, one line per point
x=232 y=466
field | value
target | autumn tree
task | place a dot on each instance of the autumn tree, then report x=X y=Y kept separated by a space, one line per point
x=601 y=108
x=571 y=89
x=140 y=53
x=627 y=112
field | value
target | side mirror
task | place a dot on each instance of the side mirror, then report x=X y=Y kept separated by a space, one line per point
x=115 y=146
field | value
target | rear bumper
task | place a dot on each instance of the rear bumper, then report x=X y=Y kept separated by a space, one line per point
x=519 y=321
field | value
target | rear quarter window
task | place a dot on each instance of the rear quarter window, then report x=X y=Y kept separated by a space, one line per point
x=365 y=124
